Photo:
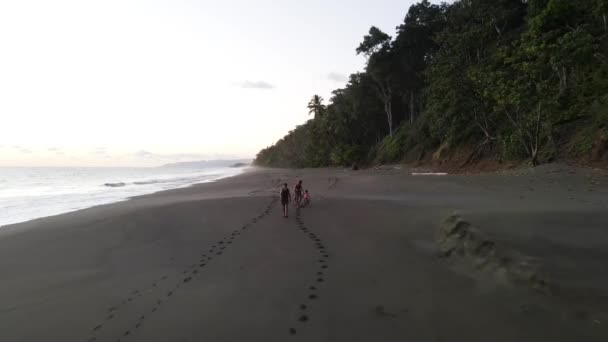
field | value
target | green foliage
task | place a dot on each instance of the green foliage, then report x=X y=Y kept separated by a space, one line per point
x=510 y=72
x=391 y=148
x=407 y=144
x=510 y=147
x=581 y=142
x=599 y=112
x=316 y=106
x=373 y=42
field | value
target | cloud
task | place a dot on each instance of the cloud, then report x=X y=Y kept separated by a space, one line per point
x=21 y=149
x=144 y=154
x=255 y=85
x=337 y=77
x=99 y=151
x=180 y=157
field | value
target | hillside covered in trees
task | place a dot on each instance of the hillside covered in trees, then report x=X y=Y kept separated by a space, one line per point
x=503 y=79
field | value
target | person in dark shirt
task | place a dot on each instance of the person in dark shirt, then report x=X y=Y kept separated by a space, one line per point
x=298 y=193
x=285 y=199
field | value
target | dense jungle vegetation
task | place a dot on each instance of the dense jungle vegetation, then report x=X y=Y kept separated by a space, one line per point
x=507 y=79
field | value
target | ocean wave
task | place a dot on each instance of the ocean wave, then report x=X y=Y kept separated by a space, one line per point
x=168 y=180
x=155 y=181
x=190 y=179
x=115 y=185
x=177 y=181
x=51 y=191
x=165 y=180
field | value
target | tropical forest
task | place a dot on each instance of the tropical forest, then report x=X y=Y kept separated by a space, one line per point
x=466 y=81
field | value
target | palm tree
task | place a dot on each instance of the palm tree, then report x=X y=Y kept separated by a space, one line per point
x=316 y=105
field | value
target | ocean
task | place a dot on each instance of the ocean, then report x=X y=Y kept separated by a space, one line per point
x=30 y=193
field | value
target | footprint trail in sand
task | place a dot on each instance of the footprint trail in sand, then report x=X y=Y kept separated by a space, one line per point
x=305 y=309
x=165 y=287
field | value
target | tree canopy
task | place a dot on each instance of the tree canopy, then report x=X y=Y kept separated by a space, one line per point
x=516 y=79
x=316 y=106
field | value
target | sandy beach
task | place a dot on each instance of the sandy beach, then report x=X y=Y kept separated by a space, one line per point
x=218 y=262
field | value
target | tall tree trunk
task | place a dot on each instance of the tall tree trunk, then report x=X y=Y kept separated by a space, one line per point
x=420 y=104
x=388 y=107
x=385 y=92
x=481 y=120
x=412 y=103
x=530 y=136
x=536 y=139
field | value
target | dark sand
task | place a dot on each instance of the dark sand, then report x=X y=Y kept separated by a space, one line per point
x=218 y=262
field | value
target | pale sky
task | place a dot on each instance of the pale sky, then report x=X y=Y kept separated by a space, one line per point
x=143 y=83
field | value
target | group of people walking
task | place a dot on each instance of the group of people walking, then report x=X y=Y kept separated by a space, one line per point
x=301 y=198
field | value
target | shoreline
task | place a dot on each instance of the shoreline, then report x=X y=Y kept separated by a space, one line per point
x=195 y=262
x=124 y=199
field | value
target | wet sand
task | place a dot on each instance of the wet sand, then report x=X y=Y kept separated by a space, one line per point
x=218 y=262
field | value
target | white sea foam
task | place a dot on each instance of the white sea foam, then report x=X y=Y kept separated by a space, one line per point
x=29 y=193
